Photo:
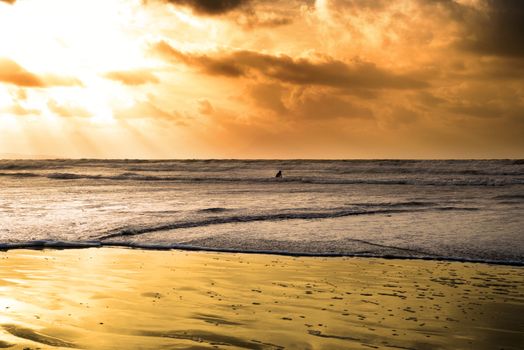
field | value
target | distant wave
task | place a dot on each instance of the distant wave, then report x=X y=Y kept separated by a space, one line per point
x=510 y=196
x=213 y=210
x=480 y=181
x=20 y=166
x=21 y=174
x=324 y=172
x=429 y=171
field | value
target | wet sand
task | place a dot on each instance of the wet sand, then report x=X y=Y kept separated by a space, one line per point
x=111 y=298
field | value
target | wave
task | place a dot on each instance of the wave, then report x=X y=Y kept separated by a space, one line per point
x=213 y=210
x=429 y=171
x=484 y=181
x=510 y=196
x=53 y=244
x=139 y=230
x=213 y=164
x=23 y=166
x=20 y=174
x=398 y=204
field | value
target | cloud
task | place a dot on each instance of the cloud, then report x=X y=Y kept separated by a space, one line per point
x=264 y=14
x=51 y=80
x=133 y=77
x=252 y=20
x=497 y=29
x=67 y=110
x=19 y=110
x=321 y=107
x=12 y=73
x=147 y=109
x=211 y=7
x=306 y=104
x=205 y=107
x=301 y=71
x=270 y=96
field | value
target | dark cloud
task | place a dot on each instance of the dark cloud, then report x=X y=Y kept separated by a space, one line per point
x=327 y=72
x=499 y=70
x=492 y=27
x=499 y=31
x=211 y=7
x=133 y=77
x=251 y=20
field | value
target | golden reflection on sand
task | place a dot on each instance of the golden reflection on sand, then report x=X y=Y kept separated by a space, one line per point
x=136 y=299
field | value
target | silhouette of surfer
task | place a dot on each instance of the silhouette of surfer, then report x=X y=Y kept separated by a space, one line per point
x=279 y=174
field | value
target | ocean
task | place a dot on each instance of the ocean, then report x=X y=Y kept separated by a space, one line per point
x=467 y=210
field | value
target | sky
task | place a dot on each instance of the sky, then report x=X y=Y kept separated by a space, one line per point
x=262 y=78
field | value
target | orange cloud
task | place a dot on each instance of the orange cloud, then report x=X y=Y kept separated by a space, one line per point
x=12 y=73
x=67 y=110
x=148 y=110
x=307 y=104
x=51 y=80
x=19 y=110
x=300 y=71
x=133 y=77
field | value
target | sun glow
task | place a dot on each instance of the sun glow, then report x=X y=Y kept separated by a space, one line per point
x=83 y=39
x=80 y=37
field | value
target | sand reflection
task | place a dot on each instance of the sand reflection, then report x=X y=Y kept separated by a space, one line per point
x=122 y=298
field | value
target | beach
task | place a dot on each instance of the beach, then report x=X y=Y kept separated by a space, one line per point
x=119 y=298
x=267 y=175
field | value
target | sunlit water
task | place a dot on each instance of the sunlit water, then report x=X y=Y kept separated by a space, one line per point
x=470 y=210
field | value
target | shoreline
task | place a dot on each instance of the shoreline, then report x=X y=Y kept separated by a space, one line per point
x=59 y=245
x=114 y=298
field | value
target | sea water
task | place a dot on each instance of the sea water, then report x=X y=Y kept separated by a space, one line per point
x=440 y=209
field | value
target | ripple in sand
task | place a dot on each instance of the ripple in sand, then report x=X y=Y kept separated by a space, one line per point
x=5 y=345
x=152 y=295
x=29 y=334
x=323 y=335
x=212 y=339
x=216 y=320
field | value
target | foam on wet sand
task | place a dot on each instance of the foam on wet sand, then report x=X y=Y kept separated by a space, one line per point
x=111 y=298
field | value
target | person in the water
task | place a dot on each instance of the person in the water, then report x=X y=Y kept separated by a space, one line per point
x=279 y=174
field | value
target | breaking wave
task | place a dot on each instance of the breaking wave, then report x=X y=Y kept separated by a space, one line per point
x=401 y=253
x=389 y=209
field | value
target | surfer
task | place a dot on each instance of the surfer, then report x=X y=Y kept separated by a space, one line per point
x=279 y=174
